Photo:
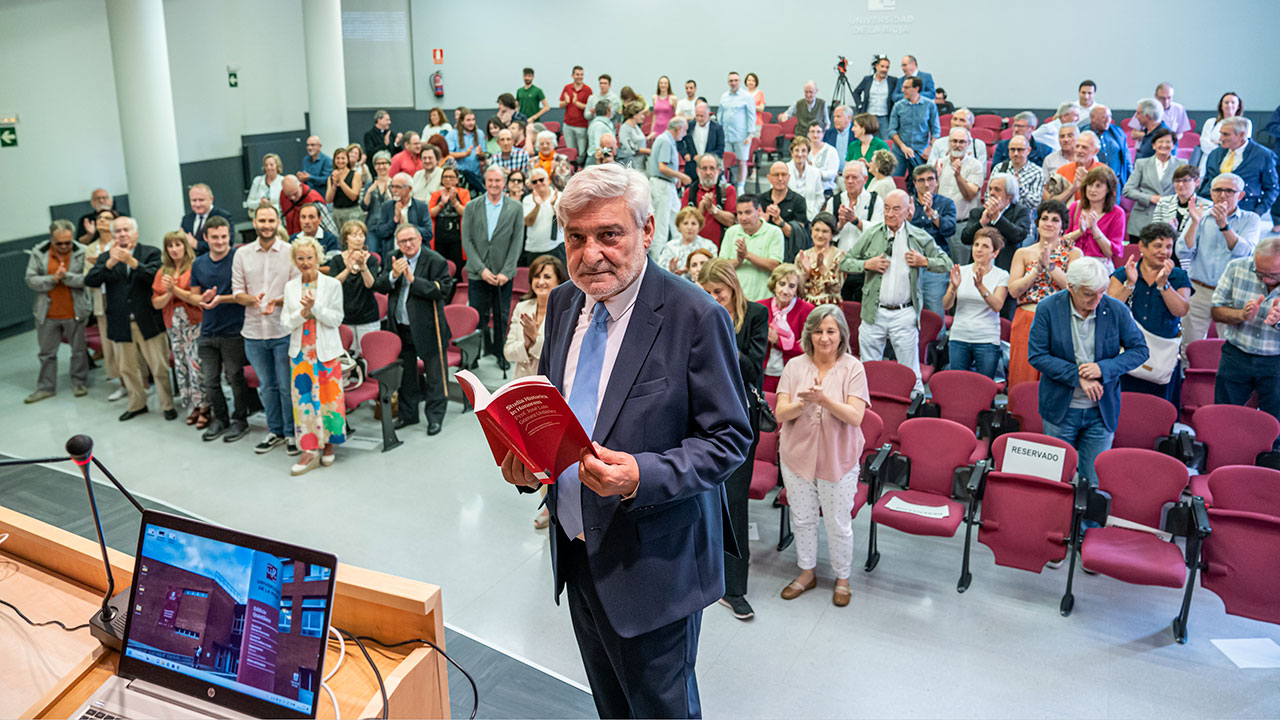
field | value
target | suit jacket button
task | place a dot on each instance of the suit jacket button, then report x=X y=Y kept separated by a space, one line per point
x=595 y=529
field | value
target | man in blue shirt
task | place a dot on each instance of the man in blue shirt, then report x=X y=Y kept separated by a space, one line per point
x=664 y=173
x=839 y=134
x=737 y=115
x=936 y=215
x=1210 y=241
x=220 y=347
x=913 y=124
x=1114 y=151
x=316 y=166
x=910 y=68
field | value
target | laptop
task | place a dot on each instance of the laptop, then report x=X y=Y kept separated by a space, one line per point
x=220 y=624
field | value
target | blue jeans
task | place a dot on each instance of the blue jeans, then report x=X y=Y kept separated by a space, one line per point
x=932 y=287
x=1083 y=429
x=270 y=360
x=1241 y=374
x=980 y=357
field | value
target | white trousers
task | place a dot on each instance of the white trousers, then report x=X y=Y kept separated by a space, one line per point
x=899 y=327
x=665 y=206
x=835 y=502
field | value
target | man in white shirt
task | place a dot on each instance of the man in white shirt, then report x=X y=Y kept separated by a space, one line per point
x=1066 y=152
x=259 y=272
x=542 y=231
x=686 y=105
x=737 y=114
x=604 y=93
x=961 y=118
x=1086 y=91
x=1068 y=114
x=960 y=175
x=856 y=209
x=427 y=180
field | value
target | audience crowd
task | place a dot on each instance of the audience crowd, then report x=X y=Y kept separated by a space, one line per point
x=1074 y=250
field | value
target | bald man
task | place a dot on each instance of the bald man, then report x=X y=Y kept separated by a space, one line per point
x=809 y=110
x=316 y=166
x=1112 y=143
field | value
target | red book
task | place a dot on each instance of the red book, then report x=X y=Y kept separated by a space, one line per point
x=529 y=417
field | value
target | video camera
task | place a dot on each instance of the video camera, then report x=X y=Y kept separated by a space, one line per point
x=842 y=64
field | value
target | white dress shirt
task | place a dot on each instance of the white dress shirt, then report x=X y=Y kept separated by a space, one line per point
x=972 y=171
x=807 y=186
x=700 y=137
x=619 y=307
x=255 y=271
x=878 y=97
x=895 y=288
x=850 y=233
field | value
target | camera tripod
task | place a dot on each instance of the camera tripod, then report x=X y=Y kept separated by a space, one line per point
x=842 y=87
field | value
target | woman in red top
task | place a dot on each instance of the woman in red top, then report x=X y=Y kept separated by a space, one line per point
x=787 y=314
x=171 y=294
x=446 y=206
x=1097 y=223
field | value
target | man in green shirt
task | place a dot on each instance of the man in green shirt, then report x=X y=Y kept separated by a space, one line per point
x=891 y=255
x=756 y=247
x=532 y=101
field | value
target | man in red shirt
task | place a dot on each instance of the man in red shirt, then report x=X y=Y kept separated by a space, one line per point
x=716 y=200
x=293 y=195
x=573 y=100
x=408 y=160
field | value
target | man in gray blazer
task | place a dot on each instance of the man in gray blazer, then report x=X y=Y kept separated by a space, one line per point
x=492 y=237
x=1148 y=184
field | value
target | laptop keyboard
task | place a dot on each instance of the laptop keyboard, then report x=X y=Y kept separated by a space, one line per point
x=98 y=715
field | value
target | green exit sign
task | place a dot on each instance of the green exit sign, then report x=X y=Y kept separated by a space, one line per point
x=233 y=80
x=8 y=137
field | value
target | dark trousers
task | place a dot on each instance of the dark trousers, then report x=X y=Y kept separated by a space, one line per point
x=1241 y=374
x=427 y=388
x=527 y=258
x=223 y=356
x=647 y=676
x=450 y=246
x=492 y=302
x=737 y=488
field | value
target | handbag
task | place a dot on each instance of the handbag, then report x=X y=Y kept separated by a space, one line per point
x=766 y=421
x=1162 y=355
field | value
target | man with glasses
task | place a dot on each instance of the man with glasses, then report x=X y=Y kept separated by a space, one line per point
x=405 y=209
x=1024 y=124
x=1254 y=164
x=892 y=254
x=417 y=282
x=55 y=271
x=316 y=166
x=1246 y=304
x=783 y=206
x=913 y=124
x=1029 y=174
x=380 y=138
x=1225 y=233
x=737 y=114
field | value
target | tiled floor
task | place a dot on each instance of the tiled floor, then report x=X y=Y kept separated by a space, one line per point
x=436 y=509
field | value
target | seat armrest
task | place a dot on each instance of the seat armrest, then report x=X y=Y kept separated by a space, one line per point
x=1200 y=516
x=977 y=479
x=388 y=374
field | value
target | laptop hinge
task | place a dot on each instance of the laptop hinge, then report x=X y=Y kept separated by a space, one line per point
x=183 y=700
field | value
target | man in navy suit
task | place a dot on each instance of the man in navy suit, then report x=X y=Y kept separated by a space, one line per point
x=200 y=197
x=705 y=131
x=405 y=209
x=1255 y=164
x=649 y=364
x=911 y=69
x=1076 y=343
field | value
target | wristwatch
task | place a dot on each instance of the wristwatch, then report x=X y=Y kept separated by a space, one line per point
x=1223 y=228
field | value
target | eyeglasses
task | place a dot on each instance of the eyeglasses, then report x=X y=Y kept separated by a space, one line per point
x=1230 y=191
x=537 y=181
x=1267 y=276
x=398 y=186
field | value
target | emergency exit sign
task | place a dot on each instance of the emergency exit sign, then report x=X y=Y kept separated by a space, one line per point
x=8 y=137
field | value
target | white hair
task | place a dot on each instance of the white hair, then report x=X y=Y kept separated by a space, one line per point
x=1238 y=124
x=1235 y=180
x=843 y=110
x=547 y=135
x=538 y=172
x=1269 y=246
x=676 y=123
x=126 y=220
x=597 y=183
x=1067 y=107
x=492 y=168
x=403 y=177
x=709 y=155
x=855 y=167
x=1092 y=137
x=1087 y=273
x=1011 y=187
x=968 y=136
x=1028 y=117
x=1151 y=109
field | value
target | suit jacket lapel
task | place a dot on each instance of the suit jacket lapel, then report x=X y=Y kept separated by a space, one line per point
x=642 y=330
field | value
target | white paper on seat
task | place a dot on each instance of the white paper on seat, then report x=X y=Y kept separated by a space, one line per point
x=1022 y=457
x=1251 y=652
x=897 y=504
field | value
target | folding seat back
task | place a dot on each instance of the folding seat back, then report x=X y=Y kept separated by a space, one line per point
x=1233 y=435
x=1240 y=560
x=961 y=395
x=1247 y=488
x=1024 y=403
x=1144 y=419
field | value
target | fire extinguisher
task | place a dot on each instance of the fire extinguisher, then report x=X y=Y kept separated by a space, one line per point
x=437 y=83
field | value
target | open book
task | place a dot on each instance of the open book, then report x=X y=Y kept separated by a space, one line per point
x=529 y=417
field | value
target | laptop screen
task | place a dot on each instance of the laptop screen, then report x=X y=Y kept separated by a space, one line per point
x=215 y=609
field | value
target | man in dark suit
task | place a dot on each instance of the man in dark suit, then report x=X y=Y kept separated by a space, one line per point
x=1082 y=342
x=1003 y=211
x=380 y=138
x=704 y=131
x=875 y=93
x=200 y=196
x=492 y=238
x=417 y=284
x=1255 y=164
x=406 y=209
x=125 y=274
x=649 y=364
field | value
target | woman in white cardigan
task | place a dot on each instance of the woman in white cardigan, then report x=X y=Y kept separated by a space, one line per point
x=312 y=312
x=524 y=337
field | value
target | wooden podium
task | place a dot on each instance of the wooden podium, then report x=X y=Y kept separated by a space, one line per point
x=48 y=673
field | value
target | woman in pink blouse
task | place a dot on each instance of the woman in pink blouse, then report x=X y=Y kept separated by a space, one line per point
x=752 y=81
x=787 y=314
x=664 y=106
x=1097 y=222
x=821 y=400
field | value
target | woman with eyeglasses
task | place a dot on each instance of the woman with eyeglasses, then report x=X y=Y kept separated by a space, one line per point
x=515 y=185
x=379 y=191
x=1183 y=209
x=446 y=206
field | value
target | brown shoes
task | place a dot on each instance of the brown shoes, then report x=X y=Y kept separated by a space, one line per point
x=841 y=596
x=795 y=589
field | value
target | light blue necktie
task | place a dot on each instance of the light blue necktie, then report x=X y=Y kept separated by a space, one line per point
x=582 y=401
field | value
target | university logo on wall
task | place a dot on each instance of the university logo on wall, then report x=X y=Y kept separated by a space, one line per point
x=271 y=572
